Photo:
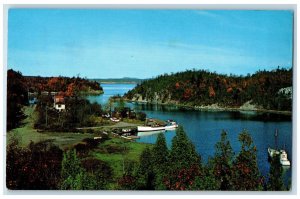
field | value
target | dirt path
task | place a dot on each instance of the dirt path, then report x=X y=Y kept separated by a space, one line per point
x=117 y=125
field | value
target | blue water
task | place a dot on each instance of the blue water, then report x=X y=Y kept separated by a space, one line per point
x=204 y=128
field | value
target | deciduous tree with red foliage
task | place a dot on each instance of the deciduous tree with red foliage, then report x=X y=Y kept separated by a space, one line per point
x=246 y=175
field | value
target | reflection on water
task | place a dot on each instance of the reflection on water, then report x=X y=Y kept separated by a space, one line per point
x=148 y=133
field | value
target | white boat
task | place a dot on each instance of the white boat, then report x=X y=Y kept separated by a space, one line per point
x=150 y=128
x=282 y=155
x=283 y=158
x=114 y=119
x=272 y=152
x=170 y=126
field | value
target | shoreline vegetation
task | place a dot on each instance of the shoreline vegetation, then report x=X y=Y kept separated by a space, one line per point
x=212 y=107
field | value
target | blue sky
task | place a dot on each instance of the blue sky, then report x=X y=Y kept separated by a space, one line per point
x=146 y=43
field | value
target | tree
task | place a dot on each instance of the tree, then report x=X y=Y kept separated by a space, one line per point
x=98 y=170
x=246 y=175
x=275 y=182
x=222 y=166
x=36 y=167
x=185 y=163
x=71 y=172
x=17 y=97
x=160 y=161
x=145 y=172
x=183 y=153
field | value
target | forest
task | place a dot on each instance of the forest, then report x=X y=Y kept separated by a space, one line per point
x=270 y=90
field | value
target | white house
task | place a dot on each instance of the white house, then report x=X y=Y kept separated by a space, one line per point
x=59 y=103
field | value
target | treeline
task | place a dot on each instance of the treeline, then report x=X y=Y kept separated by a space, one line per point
x=181 y=168
x=44 y=166
x=200 y=87
x=70 y=86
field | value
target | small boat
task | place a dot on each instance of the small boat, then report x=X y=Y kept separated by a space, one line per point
x=126 y=130
x=282 y=156
x=272 y=152
x=114 y=119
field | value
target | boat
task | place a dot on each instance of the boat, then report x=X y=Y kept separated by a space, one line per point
x=169 y=127
x=282 y=156
x=273 y=152
x=114 y=119
x=150 y=128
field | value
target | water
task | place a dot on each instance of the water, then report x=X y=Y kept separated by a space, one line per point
x=204 y=128
x=109 y=91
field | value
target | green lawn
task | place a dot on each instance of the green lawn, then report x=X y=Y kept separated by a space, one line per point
x=125 y=150
x=26 y=133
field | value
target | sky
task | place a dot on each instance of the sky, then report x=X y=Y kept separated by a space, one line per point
x=111 y=43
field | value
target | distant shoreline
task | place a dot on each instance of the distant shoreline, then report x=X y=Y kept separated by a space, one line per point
x=118 y=82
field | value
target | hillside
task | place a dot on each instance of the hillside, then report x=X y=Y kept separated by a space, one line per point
x=204 y=89
x=66 y=85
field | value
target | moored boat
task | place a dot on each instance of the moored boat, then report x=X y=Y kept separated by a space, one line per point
x=282 y=156
x=170 y=126
x=114 y=119
x=150 y=128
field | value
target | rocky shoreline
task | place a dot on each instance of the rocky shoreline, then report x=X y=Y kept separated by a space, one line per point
x=215 y=107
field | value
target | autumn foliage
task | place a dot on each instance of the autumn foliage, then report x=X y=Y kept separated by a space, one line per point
x=200 y=87
x=69 y=86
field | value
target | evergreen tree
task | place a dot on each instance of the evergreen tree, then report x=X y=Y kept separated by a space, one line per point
x=208 y=180
x=275 y=182
x=185 y=163
x=160 y=160
x=222 y=167
x=73 y=175
x=183 y=153
x=246 y=176
x=145 y=171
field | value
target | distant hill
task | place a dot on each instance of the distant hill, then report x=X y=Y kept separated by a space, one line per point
x=124 y=80
x=268 y=90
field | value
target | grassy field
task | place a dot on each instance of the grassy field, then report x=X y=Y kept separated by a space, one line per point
x=117 y=152
x=26 y=133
